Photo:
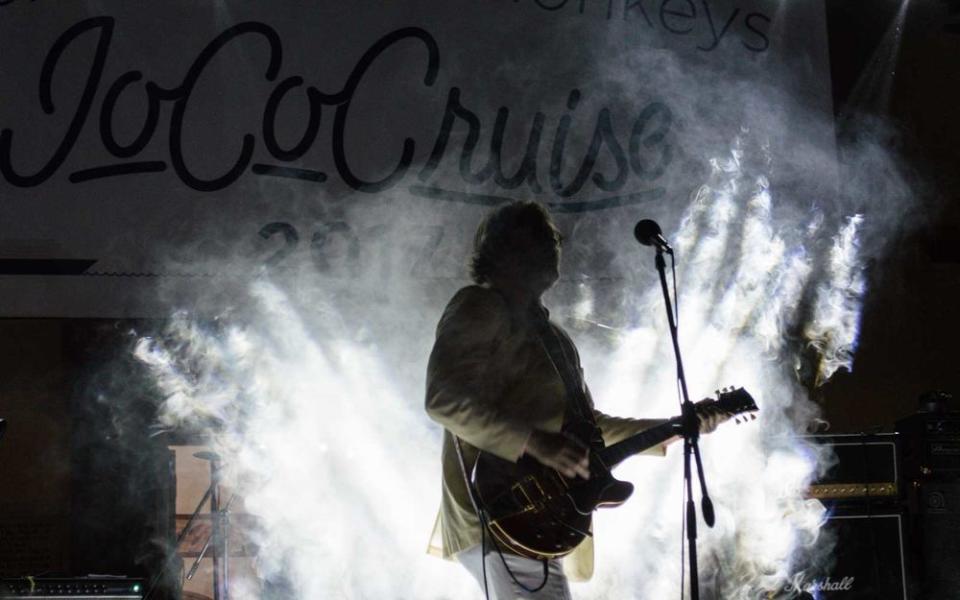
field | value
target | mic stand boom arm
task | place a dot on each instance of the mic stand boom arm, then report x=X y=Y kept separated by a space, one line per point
x=690 y=430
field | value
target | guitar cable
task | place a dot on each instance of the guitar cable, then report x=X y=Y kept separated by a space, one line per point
x=481 y=514
x=483 y=553
x=483 y=549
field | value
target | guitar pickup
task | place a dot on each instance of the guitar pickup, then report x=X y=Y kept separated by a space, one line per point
x=528 y=504
x=531 y=503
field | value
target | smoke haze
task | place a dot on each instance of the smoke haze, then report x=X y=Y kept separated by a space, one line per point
x=308 y=376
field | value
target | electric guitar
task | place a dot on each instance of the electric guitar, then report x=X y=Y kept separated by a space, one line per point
x=534 y=511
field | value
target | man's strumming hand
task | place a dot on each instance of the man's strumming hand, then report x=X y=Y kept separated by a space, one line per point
x=561 y=452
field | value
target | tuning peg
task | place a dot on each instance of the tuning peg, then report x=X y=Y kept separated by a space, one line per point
x=737 y=420
x=753 y=417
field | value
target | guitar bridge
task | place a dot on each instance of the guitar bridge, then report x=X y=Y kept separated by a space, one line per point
x=543 y=494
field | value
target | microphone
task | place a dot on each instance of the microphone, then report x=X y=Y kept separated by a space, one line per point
x=649 y=233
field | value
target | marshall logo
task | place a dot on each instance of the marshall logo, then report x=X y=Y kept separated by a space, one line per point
x=800 y=583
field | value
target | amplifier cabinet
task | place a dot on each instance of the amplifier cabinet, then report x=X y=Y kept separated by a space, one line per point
x=858 y=556
x=865 y=468
x=931 y=446
x=938 y=540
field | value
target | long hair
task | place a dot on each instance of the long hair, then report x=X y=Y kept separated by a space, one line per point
x=498 y=235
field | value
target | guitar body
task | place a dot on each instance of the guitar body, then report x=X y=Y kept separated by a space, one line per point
x=534 y=511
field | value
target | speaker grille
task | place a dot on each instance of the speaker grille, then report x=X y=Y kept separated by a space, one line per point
x=859 y=556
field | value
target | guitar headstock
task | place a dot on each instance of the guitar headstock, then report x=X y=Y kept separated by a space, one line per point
x=736 y=402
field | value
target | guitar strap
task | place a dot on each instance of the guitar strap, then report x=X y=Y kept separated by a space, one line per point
x=562 y=362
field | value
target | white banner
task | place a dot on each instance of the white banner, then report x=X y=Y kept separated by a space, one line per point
x=149 y=137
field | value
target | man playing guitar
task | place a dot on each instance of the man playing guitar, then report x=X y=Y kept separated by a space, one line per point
x=500 y=380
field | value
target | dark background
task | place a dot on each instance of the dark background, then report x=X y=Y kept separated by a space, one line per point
x=65 y=455
x=911 y=317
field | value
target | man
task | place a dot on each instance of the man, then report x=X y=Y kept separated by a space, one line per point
x=494 y=383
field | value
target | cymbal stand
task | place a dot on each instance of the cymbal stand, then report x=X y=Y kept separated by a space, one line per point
x=218 y=540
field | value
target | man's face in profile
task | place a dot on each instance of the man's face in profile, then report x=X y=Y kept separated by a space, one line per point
x=537 y=258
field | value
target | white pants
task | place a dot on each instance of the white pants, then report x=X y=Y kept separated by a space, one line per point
x=529 y=572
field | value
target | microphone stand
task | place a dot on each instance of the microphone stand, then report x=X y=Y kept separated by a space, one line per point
x=690 y=429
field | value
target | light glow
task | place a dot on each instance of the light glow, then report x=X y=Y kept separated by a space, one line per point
x=319 y=406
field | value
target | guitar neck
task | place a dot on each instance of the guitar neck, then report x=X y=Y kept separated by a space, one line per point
x=635 y=444
x=731 y=401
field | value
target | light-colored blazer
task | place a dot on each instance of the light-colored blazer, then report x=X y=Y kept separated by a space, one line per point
x=490 y=382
